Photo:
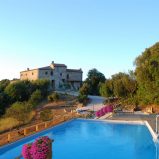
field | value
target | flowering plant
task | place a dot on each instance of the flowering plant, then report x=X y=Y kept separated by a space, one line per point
x=104 y=110
x=40 y=149
x=26 y=151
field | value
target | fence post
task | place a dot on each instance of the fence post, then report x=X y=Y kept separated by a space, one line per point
x=71 y=113
x=45 y=124
x=37 y=128
x=25 y=132
x=9 y=137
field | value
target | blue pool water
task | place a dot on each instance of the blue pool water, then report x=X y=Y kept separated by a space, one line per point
x=86 y=139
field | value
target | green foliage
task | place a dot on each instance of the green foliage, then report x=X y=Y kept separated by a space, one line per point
x=106 y=89
x=3 y=84
x=84 y=90
x=120 y=85
x=54 y=97
x=18 y=91
x=35 y=98
x=46 y=115
x=147 y=75
x=19 y=111
x=82 y=99
x=43 y=86
x=4 y=101
x=92 y=82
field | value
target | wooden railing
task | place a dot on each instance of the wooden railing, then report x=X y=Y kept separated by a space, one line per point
x=18 y=134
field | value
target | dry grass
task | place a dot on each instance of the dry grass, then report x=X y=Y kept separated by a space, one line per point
x=8 y=123
x=30 y=117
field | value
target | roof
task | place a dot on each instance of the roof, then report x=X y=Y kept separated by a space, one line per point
x=29 y=70
x=46 y=67
x=74 y=70
x=55 y=65
x=59 y=65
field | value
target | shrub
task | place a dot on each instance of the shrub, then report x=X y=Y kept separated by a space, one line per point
x=39 y=149
x=42 y=85
x=26 y=151
x=82 y=99
x=4 y=83
x=4 y=101
x=8 y=123
x=19 y=111
x=53 y=97
x=46 y=115
x=35 y=98
x=18 y=91
x=84 y=90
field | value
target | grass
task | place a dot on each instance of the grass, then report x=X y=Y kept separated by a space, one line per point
x=8 y=123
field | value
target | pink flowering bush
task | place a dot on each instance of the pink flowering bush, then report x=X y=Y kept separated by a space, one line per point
x=110 y=108
x=40 y=149
x=104 y=110
x=26 y=151
x=101 y=112
x=98 y=114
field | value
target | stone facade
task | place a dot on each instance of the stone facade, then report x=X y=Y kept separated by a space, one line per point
x=60 y=77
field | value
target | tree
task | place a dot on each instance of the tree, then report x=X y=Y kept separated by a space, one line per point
x=4 y=101
x=42 y=85
x=17 y=91
x=35 y=98
x=121 y=85
x=147 y=75
x=106 y=89
x=130 y=83
x=3 y=84
x=84 y=90
x=94 y=78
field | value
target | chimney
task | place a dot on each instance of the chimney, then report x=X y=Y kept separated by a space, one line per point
x=52 y=65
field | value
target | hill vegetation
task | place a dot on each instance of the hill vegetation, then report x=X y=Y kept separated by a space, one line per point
x=138 y=87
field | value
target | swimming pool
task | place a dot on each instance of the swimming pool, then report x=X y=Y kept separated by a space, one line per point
x=89 y=139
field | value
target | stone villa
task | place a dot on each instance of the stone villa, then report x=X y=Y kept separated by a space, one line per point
x=60 y=77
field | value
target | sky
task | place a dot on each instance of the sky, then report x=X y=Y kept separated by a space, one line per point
x=104 y=34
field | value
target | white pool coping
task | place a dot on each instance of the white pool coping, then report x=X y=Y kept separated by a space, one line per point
x=153 y=133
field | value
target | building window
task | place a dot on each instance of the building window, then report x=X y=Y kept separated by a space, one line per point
x=63 y=80
x=21 y=74
x=26 y=74
x=46 y=73
x=67 y=76
x=51 y=73
x=60 y=74
x=32 y=73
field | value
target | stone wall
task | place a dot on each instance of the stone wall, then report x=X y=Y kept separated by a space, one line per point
x=60 y=76
x=29 y=75
x=74 y=76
